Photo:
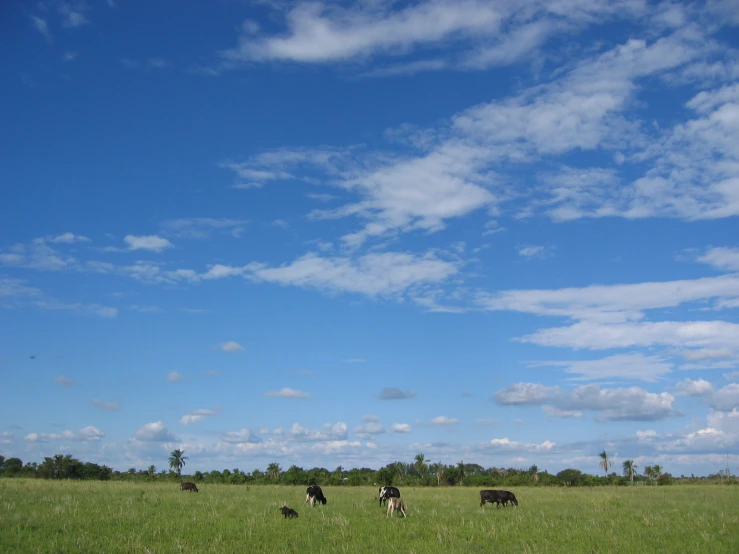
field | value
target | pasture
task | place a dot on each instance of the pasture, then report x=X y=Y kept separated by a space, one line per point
x=119 y=517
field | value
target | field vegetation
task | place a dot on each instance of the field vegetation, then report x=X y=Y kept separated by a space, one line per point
x=64 y=516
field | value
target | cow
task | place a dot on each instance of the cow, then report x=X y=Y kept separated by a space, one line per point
x=393 y=504
x=499 y=497
x=289 y=513
x=314 y=493
x=187 y=486
x=388 y=492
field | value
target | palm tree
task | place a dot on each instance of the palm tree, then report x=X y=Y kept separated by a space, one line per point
x=629 y=470
x=438 y=469
x=605 y=463
x=649 y=472
x=657 y=471
x=273 y=470
x=534 y=470
x=420 y=465
x=177 y=461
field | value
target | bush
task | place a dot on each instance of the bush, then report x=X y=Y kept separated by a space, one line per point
x=666 y=479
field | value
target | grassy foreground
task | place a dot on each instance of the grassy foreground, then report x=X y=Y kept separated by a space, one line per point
x=110 y=517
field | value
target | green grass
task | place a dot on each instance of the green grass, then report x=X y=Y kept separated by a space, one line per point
x=95 y=517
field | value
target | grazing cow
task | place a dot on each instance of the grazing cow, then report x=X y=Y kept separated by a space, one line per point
x=393 y=504
x=314 y=493
x=187 y=486
x=499 y=497
x=388 y=492
x=289 y=513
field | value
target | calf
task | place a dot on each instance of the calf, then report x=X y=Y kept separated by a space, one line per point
x=388 y=492
x=314 y=493
x=499 y=497
x=393 y=504
x=187 y=486
x=289 y=513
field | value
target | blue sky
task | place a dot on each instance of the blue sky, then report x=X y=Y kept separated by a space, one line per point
x=345 y=233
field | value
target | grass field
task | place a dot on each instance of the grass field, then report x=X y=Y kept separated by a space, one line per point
x=111 y=517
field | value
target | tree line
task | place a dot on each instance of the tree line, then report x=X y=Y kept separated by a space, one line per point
x=417 y=473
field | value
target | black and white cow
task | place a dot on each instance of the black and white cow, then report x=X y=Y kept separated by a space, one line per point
x=315 y=494
x=498 y=497
x=388 y=492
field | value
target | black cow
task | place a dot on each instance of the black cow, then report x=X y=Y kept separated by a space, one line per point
x=289 y=513
x=499 y=497
x=314 y=493
x=187 y=486
x=388 y=492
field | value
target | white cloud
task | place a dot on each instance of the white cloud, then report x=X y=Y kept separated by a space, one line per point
x=154 y=432
x=63 y=381
x=86 y=434
x=525 y=393
x=506 y=445
x=203 y=227
x=688 y=387
x=612 y=303
x=69 y=56
x=109 y=406
x=443 y=420
x=488 y=33
x=531 y=252
x=384 y=273
x=370 y=417
x=66 y=238
x=701 y=354
x=288 y=393
x=174 y=376
x=563 y=414
x=726 y=399
x=240 y=437
x=231 y=346
x=732 y=376
x=42 y=27
x=336 y=432
x=148 y=242
x=7 y=437
x=722 y=258
x=197 y=415
x=317 y=34
x=393 y=393
x=635 y=366
x=72 y=17
x=401 y=428
x=617 y=404
x=596 y=336
x=369 y=430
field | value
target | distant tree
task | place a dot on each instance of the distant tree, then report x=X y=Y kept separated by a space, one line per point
x=13 y=466
x=649 y=472
x=629 y=470
x=571 y=477
x=657 y=471
x=534 y=471
x=420 y=465
x=605 y=463
x=151 y=471
x=274 y=470
x=177 y=461
x=460 y=472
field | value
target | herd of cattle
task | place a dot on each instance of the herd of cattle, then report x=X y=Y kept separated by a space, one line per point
x=388 y=495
